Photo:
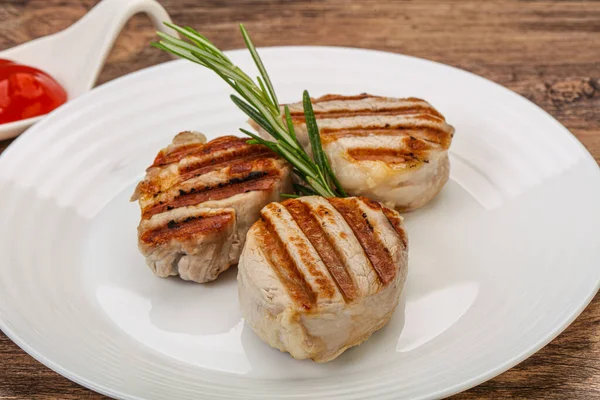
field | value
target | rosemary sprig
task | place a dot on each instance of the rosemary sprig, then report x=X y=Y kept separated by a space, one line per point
x=259 y=102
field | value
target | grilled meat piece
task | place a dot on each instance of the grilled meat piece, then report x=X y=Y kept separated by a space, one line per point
x=392 y=150
x=319 y=275
x=199 y=199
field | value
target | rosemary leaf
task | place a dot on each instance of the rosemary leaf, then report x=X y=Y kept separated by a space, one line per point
x=316 y=145
x=290 y=124
x=300 y=164
x=259 y=102
x=255 y=116
x=254 y=136
x=313 y=131
x=198 y=39
x=334 y=179
x=303 y=190
x=263 y=89
x=259 y=65
x=320 y=187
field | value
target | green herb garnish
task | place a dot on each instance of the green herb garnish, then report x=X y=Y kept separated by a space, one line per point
x=259 y=102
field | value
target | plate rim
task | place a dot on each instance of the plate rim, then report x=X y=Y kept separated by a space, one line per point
x=449 y=391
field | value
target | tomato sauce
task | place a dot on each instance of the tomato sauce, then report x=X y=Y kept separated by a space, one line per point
x=27 y=92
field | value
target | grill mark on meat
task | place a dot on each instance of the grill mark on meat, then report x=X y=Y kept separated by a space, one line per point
x=396 y=222
x=376 y=251
x=324 y=214
x=325 y=288
x=224 y=157
x=168 y=157
x=432 y=135
x=422 y=121
x=241 y=160
x=373 y=205
x=414 y=128
x=391 y=216
x=314 y=232
x=177 y=154
x=409 y=105
x=334 y=97
x=389 y=156
x=187 y=229
x=283 y=265
x=254 y=181
x=252 y=162
x=308 y=259
x=298 y=117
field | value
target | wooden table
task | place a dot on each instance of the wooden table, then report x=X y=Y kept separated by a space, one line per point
x=548 y=51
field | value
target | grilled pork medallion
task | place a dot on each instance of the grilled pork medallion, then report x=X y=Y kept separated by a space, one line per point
x=199 y=199
x=318 y=275
x=391 y=150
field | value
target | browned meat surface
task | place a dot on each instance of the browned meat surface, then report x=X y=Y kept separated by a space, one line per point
x=199 y=199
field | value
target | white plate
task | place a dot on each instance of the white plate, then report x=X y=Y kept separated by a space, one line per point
x=500 y=263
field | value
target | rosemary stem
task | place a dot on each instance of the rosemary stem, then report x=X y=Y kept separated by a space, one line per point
x=260 y=103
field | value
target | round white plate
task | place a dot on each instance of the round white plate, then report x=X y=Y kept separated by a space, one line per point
x=500 y=263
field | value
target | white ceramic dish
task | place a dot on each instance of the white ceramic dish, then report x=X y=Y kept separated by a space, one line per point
x=83 y=47
x=500 y=263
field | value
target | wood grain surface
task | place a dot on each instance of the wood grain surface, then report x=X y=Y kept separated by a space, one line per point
x=548 y=51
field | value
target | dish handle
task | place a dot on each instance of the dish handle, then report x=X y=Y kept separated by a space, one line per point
x=91 y=38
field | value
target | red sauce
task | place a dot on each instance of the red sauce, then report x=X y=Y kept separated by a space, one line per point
x=27 y=92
